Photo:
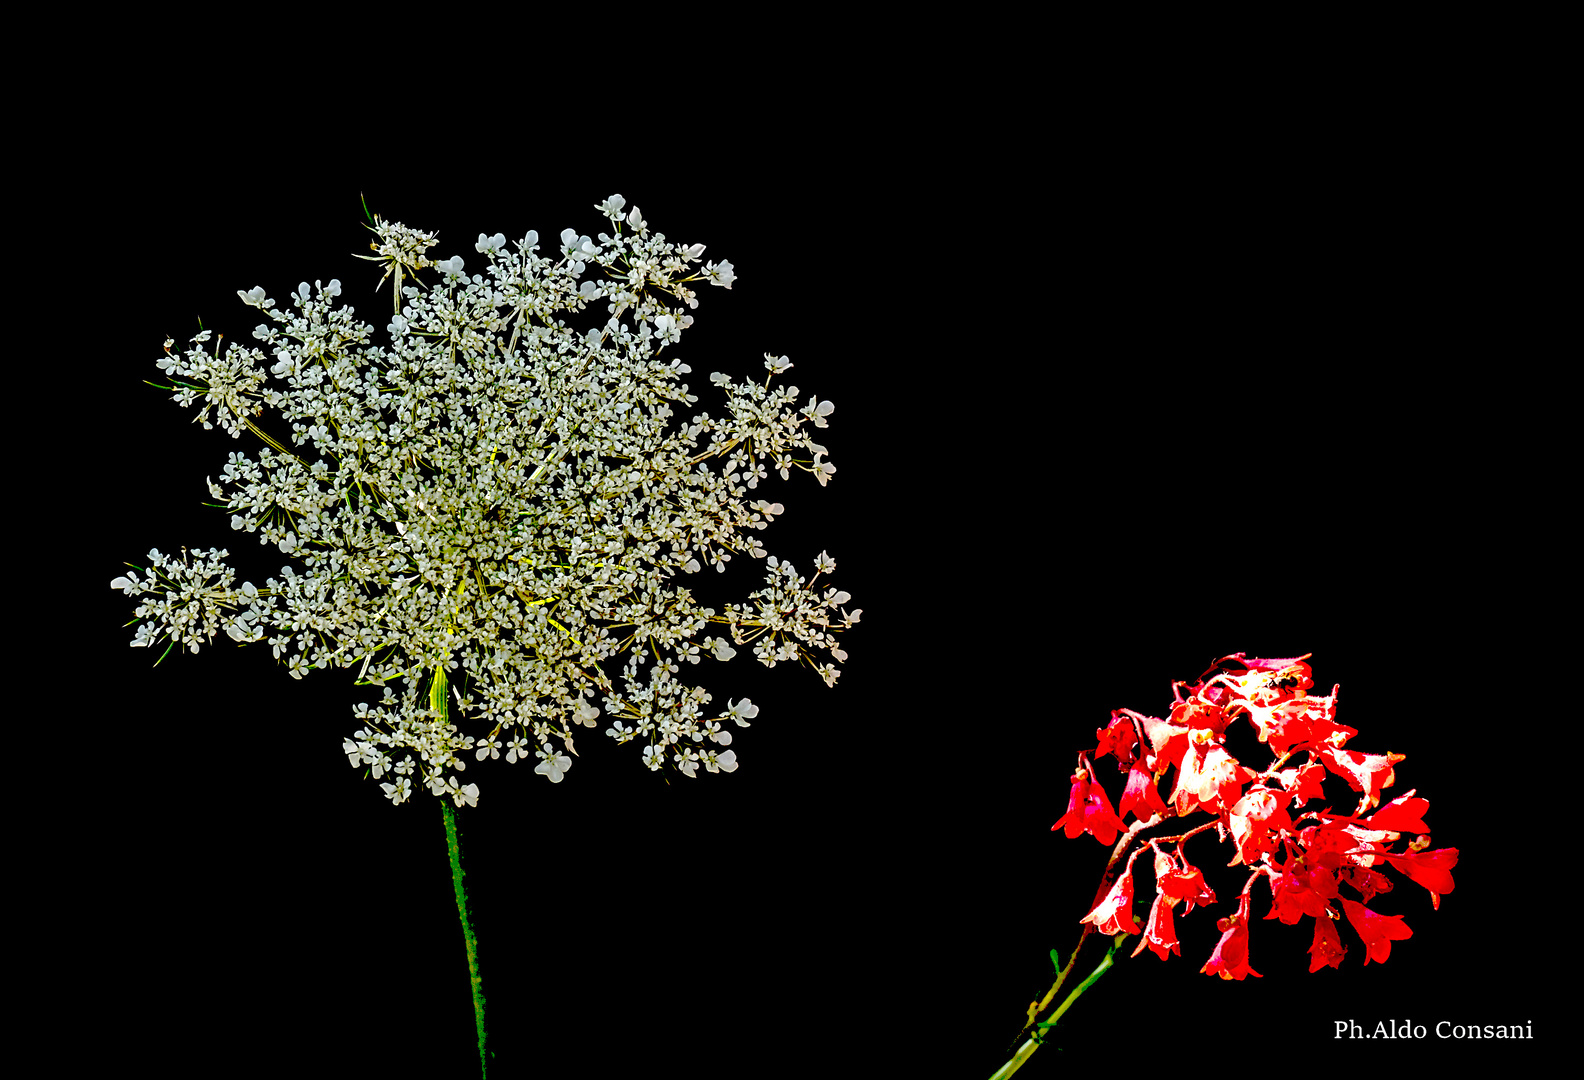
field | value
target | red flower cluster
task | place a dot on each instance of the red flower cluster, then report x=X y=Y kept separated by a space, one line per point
x=1305 y=856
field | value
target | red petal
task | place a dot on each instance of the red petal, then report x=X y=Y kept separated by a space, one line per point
x=1403 y=814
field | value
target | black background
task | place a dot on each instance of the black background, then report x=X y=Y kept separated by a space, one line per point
x=1122 y=383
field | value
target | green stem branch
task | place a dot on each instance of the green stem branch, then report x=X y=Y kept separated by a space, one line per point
x=1034 y=1041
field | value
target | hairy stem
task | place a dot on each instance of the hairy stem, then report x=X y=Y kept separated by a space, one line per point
x=437 y=701
x=467 y=929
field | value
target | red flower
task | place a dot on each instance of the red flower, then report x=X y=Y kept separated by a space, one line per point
x=1089 y=811
x=1368 y=773
x=1140 y=789
x=1327 y=949
x=1117 y=737
x=1159 y=933
x=1256 y=810
x=1403 y=814
x=1167 y=740
x=1299 y=723
x=1255 y=820
x=1432 y=869
x=1230 y=959
x=1208 y=778
x=1301 y=890
x=1195 y=713
x=1073 y=818
x=1187 y=884
x=1378 y=931
x=1114 y=914
x=1303 y=782
x=1325 y=845
x=1368 y=882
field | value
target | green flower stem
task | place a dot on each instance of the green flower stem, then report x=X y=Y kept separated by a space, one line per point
x=1033 y=1042
x=437 y=701
x=467 y=929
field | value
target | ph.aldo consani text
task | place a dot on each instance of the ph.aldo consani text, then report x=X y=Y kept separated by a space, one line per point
x=1444 y=1029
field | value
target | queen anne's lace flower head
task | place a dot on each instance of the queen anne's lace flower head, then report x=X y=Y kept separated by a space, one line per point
x=494 y=510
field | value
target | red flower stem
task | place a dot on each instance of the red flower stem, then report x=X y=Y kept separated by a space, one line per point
x=1274 y=767
x=1191 y=832
x=1034 y=1042
x=1126 y=841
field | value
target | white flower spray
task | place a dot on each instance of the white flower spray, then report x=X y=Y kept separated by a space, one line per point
x=500 y=500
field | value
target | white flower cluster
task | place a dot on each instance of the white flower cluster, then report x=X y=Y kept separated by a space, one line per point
x=498 y=492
